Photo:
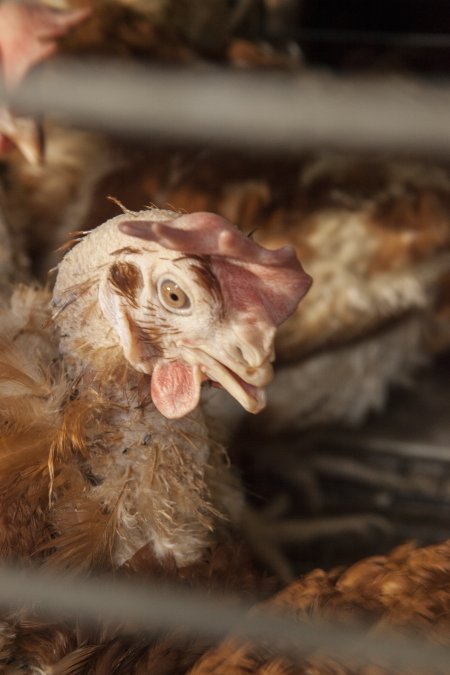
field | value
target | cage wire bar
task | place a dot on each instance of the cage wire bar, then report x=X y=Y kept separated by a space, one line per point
x=171 y=607
x=282 y=112
x=285 y=112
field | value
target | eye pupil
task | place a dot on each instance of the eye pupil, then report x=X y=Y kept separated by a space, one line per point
x=172 y=296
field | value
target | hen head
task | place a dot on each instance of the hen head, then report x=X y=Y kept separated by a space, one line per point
x=188 y=298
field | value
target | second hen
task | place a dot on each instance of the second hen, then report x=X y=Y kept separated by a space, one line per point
x=405 y=591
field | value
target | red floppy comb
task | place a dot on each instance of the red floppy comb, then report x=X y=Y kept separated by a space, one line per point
x=247 y=271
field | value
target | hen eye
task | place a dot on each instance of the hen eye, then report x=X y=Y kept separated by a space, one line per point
x=172 y=295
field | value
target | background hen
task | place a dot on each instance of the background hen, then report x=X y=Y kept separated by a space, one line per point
x=404 y=591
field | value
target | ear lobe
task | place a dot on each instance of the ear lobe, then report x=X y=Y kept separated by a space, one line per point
x=136 y=346
x=115 y=313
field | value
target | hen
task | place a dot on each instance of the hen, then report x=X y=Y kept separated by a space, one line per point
x=105 y=458
x=408 y=590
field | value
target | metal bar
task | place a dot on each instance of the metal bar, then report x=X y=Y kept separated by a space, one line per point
x=262 y=111
x=163 y=607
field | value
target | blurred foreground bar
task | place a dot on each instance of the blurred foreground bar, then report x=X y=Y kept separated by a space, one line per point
x=157 y=607
x=263 y=111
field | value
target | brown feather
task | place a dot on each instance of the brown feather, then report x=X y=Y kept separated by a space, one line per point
x=76 y=662
x=405 y=590
x=86 y=531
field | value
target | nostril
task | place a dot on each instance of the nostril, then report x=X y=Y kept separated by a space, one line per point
x=240 y=354
x=249 y=356
x=251 y=349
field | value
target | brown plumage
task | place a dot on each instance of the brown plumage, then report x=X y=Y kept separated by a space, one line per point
x=64 y=648
x=407 y=590
x=14 y=263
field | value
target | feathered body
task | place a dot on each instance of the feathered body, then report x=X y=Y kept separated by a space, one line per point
x=77 y=448
x=11 y=262
x=106 y=461
x=407 y=590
